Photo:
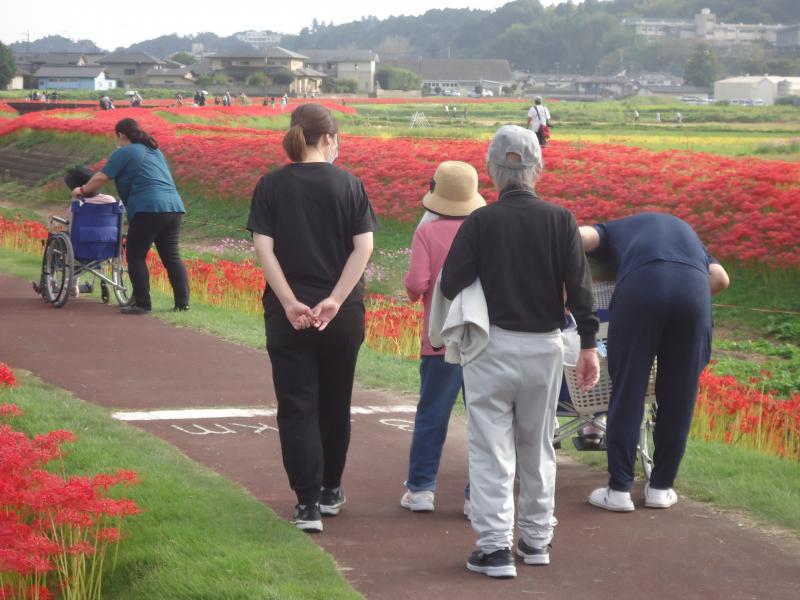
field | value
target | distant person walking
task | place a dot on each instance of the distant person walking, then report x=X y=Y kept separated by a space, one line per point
x=678 y=119
x=635 y=115
x=312 y=227
x=658 y=117
x=539 y=120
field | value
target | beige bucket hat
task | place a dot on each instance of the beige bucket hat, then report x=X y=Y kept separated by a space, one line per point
x=454 y=190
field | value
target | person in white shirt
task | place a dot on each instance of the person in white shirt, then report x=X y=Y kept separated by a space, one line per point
x=538 y=115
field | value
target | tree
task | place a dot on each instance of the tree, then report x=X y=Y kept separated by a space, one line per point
x=703 y=68
x=391 y=78
x=282 y=76
x=184 y=58
x=218 y=78
x=8 y=66
x=339 y=86
x=257 y=79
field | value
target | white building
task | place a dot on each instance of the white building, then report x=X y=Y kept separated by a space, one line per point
x=260 y=39
x=758 y=89
x=705 y=28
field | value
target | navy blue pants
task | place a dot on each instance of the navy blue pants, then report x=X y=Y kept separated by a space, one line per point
x=661 y=309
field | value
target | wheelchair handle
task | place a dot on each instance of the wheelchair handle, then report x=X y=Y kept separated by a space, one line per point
x=61 y=220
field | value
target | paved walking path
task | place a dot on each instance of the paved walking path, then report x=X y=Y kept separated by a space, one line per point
x=136 y=364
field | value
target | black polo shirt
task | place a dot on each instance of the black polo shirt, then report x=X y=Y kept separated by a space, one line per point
x=526 y=252
x=312 y=211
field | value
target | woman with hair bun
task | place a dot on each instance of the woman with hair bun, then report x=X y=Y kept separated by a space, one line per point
x=154 y=208
x=312 y=227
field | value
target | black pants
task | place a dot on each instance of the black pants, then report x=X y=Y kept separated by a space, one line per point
x=313 y=376
x=659 y=310
x=165 y=230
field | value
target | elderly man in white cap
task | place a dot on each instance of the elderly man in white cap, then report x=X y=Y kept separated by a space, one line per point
x=526 y=253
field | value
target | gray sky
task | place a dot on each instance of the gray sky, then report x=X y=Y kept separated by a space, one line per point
x=122 y=23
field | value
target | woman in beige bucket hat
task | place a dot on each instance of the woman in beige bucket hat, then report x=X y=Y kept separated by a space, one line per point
x=452 y=197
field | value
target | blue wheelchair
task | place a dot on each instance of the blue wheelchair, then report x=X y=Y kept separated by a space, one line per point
x=90 y=243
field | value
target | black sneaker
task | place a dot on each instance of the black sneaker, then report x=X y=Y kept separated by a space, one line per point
x=134 y=309
x=533 y=556
x=182 y=308
x=307 y=518
x=331 y=501
x=499 y=563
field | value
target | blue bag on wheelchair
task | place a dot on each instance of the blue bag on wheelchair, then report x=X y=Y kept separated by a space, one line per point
x=96 y=230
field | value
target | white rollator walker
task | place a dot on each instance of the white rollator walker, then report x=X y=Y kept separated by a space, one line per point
x=589 y=408
x=91 y=243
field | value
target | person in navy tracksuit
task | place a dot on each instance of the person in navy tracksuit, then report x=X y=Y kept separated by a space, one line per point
x=661 y=308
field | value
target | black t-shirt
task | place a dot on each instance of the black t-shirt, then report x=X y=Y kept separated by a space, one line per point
x=312 y=211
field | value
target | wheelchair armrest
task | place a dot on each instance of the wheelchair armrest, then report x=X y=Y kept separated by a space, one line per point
x=61 y=220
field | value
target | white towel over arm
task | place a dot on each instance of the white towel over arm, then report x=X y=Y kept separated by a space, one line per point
x=461 y=326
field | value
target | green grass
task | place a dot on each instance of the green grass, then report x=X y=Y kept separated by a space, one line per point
x=199 y=536
x=766 y=487
x=752 y=334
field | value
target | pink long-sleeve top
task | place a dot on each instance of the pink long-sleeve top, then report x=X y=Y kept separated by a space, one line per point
x=429 y=249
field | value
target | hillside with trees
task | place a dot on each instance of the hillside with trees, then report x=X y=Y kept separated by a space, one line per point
x=569 y=38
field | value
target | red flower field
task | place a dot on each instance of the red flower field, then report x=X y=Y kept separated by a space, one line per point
x=738 y=206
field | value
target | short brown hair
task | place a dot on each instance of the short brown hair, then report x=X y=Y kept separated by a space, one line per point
x=309 y=123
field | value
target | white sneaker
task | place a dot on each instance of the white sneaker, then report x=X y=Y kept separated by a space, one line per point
x=654 y=498
x=418 y=501
x=611 y=500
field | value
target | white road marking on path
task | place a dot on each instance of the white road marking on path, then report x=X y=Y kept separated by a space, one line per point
x=228 y=413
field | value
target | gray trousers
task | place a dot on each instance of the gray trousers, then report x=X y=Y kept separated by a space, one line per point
x=512 y=390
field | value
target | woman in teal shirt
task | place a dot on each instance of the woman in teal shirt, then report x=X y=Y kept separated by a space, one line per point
x=155 y=212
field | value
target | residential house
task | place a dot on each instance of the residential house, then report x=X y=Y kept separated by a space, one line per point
x=31 y=61
x=458 y=74
x=169 y=77
x=73 y=78
x=130 y=68
x=281 y=57
x=240 y=65
x=614 y=86
x=356 y=65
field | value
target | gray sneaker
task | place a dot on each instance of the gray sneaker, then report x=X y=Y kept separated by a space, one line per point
x=533 y=556
x=499 y=563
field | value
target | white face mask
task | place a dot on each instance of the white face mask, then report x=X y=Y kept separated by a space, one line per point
x=333 y=152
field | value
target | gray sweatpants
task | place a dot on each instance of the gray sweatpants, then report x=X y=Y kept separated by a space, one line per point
x=512 y=390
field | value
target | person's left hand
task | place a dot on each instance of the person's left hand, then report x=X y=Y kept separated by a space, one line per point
x=324 y=312
x=587 y=372
x=76 y=193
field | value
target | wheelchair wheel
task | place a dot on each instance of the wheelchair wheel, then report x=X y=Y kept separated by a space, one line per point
x=119 y=275
x=58 y=269
x=646 y=437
